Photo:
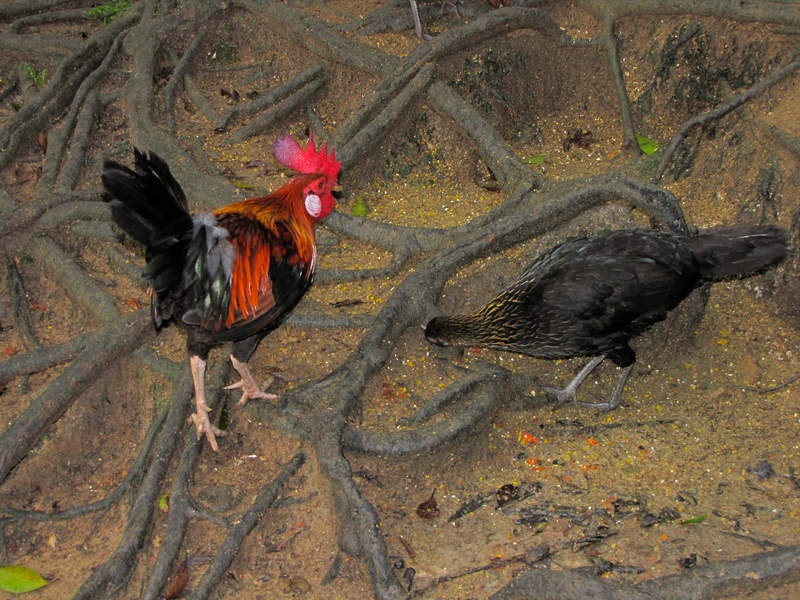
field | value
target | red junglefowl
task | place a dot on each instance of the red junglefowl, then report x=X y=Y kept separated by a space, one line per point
x=590 y=296
x=231 y=275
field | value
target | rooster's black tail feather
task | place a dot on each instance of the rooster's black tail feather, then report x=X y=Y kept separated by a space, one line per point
x=149 y=205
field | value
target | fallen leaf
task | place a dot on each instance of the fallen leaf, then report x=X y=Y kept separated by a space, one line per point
x=18 y=579
x=428 y=509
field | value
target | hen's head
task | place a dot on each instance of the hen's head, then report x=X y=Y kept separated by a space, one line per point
x=309 y=161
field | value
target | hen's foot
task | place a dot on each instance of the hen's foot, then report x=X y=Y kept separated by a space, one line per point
x=561 y=395
x=250 y=389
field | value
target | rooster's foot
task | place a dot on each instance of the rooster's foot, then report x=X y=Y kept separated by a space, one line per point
x=250 y=389
x=204 y=427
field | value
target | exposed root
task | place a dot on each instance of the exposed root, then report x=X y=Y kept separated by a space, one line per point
x=115 y=572
x=23 y=434
x=233 y=542
x=720 y=112
x=316 y=413
x=273 y=97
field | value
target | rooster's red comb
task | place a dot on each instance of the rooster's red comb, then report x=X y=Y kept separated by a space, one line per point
x=290 y=154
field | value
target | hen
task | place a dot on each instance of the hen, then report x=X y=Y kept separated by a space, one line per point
x=590 y=296
x=231 y=275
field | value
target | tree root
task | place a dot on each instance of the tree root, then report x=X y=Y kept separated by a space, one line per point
x=114 y=573
x=274 y=97
x=734 y=578
x=78 y=284
x=279 y=111
x=43 y=358
x=357 y=145
x=20 y=308
x=110 y=345
x=230 y=547
x=479 y=395
x=80 y=210
x=134 y=473
x=56 y=16
x=25 y=215
x=180 y=503
x=719 y=112
x=60 y=91
x=315 y=413
x=177 y=78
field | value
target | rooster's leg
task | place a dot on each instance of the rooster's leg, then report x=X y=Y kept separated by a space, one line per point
x=250 y=389
x=200 y=417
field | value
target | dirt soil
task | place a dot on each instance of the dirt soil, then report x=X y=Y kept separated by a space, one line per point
x=699 y=464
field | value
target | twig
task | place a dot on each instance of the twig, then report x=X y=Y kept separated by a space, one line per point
x=497 y=563
x=770 y=389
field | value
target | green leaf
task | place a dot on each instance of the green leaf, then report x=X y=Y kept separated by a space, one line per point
x=646 y=145
x=536 y=159
x=163 y=503
x=360 y=207
x=693 y=520
x=18 y=580
x=109 y=10
x=243 y=185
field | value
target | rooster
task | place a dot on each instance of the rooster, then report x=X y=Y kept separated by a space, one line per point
x=231 y=275
x=590 y=296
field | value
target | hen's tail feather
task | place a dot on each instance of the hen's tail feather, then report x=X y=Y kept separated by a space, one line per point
x=738 y=250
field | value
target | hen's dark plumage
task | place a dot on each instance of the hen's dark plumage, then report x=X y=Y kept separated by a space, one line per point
x=590 y=296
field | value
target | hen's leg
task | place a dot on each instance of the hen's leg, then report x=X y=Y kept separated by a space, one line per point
x=200 y=417
x=614 y=401
x=250 y=389
x=417 y=23
x=568 y=393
